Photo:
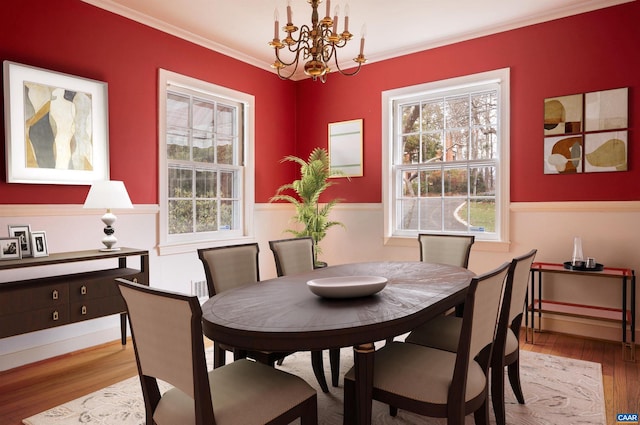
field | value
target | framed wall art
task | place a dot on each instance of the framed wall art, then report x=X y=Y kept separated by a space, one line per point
x=345 y=148
x=23 y=233
x=10 y=249
x=39 y=243
x=587 y=132
x=56 y=127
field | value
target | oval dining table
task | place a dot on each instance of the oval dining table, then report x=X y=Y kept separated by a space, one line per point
x=282 y=314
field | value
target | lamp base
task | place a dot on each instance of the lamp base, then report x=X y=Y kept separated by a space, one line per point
x=109 y=249
x=109 y=239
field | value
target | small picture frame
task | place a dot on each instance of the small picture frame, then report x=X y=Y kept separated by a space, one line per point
x=345 y=148
x=10 y=249
x=23 y=233
x=39 y=243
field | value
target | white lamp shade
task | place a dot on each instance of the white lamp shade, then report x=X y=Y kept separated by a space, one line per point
x=108 y=194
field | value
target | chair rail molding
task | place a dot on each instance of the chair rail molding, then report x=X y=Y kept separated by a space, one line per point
x=48 y=210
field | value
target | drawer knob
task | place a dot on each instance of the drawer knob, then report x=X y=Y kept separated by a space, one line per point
x=55 y=315
x=83 y=290
x=84 y=310
x=135 y=280
x=54 y=294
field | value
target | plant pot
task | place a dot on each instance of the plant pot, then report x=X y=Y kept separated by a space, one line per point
x=320 y=265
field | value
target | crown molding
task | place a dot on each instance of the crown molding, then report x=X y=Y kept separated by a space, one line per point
x=556 y=13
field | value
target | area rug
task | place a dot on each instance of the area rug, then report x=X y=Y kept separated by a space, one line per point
x=557 y=391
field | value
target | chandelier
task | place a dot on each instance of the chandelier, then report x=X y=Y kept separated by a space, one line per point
x=316 y=44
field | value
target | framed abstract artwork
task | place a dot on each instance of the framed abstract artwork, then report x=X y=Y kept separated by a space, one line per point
x=607 y=110
x=563 y=115
x=563 y=154
x=587 y=132
x=605 y=152
x=56 y=127
x=345 y=148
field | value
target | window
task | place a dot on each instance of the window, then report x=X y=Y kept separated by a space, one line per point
x=447 y=157
x=206 y=161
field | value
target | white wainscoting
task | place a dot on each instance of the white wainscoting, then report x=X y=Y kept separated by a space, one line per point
x=609 y=231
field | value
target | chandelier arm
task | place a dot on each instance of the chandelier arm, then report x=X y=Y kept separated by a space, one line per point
x=328 y=51
x=348 y=74
x=295 y=59
x=296 y=46
x=293 y=63
x=303 y=36
x=288 y=77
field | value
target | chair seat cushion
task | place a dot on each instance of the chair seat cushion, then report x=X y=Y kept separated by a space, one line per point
x=442 y=332
x=420 y=373
x=268 y=394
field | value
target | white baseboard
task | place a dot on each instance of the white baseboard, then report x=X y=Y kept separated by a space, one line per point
x=57 y=348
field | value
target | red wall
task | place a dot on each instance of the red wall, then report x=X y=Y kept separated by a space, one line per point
x=76 y=38
x=588 y=52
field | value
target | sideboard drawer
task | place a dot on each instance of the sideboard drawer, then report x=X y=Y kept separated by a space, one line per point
x=84 y=287
x=28 y=297
x=97 y=307
x=35 y=320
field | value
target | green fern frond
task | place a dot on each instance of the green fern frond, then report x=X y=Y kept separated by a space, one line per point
x=313 y=181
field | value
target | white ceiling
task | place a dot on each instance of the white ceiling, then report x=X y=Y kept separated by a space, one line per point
x=242 y=28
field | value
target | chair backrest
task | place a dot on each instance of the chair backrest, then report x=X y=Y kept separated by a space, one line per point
x=453 y=250
x=513 y=301
x=521 y=274
x=166 y=328
x=227 y=267
x=487 y=302
x=479 y=321
x=293 y=255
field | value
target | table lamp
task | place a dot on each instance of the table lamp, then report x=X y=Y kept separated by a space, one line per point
x=108 y=194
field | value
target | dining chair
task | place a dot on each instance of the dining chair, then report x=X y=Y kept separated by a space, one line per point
x=444 y=332
x=450 y=249
x=508 y=350
x=446 y=248
x=166 y=329
x=294 y=256
x=439 y=383
x=228 y=267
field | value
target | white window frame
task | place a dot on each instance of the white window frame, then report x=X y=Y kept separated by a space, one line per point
x=389 y=184
x=173 y=244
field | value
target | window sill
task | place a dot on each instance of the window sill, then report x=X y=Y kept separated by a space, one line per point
x=190 y=247
x=479 y=245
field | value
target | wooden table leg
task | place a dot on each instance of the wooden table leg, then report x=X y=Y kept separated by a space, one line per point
x=363 y=363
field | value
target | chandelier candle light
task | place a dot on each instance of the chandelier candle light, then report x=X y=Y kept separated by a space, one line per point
x=108 y=194
x=317 y=44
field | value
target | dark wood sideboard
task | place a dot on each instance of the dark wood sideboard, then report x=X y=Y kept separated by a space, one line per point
x=47 y=302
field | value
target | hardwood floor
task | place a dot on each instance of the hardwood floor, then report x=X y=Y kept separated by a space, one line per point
x=30 y=389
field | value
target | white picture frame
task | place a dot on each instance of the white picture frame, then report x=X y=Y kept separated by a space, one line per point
x=10 y=249
x=39 y=243
x=72 y=150
x=345 y=148
x=23 y=233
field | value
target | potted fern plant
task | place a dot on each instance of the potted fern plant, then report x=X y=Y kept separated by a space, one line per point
x=314 y=179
